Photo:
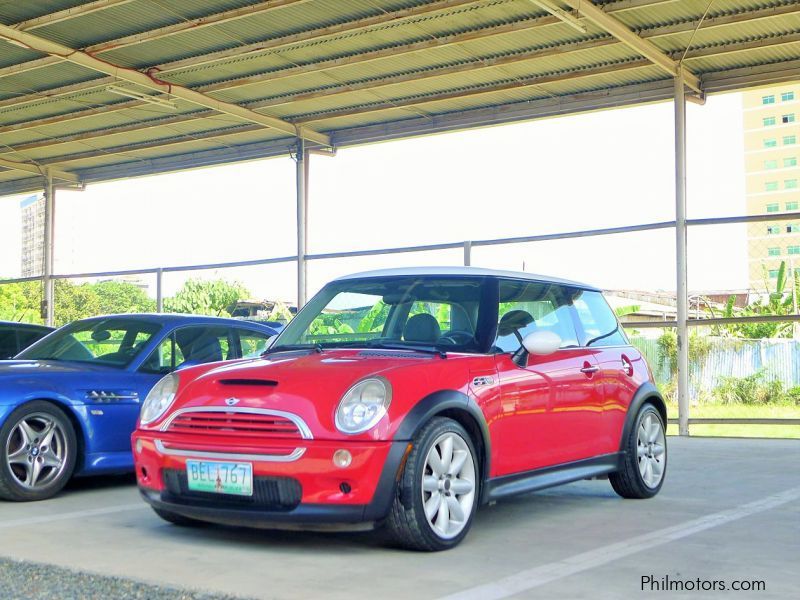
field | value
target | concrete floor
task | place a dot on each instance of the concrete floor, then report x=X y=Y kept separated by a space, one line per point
x=729 y=510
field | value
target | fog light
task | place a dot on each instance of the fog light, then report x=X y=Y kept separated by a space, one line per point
x=139 y=446
x=342 y=458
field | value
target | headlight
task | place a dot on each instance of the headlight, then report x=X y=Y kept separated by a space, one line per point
x=363 y=405
x=159 y=399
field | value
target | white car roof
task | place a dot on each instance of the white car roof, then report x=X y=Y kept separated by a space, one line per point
x=464 y=272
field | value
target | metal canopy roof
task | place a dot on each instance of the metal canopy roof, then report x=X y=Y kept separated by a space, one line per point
x=105 y=89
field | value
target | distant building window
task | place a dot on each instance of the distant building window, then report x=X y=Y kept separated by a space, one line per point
x=790 y=184
x=773 y=230
x=787 y=96
x=792 y=228
x=773 y=207
x=773 y=251
x=792 y=205
x=768 y=99
x=770 y=142
x=773 y=273
x=768 y=121
x=791 y=161
x=770 y=186
x=787 y=118
x=793 y=250
x=789 y=140
x=770 y=164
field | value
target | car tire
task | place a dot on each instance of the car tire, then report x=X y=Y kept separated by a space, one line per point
x=38 y=452
x=176 y=519
x=644 y=464
x=438 y=492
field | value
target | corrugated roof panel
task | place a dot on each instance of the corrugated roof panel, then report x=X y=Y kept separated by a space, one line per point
x=342 y=87
x=37 y=80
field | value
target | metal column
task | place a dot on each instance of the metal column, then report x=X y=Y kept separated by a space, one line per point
x=302 y=220
x=159 y=290
x=47 y=277
x=680 y=251
x=467 y=253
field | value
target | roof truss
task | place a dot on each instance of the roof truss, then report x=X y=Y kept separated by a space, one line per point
x=146 y=81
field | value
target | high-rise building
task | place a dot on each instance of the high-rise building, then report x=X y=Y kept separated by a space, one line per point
x=32 y=209
x=771 y=136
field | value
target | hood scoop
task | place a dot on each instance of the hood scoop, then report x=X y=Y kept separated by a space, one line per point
x=242 y=381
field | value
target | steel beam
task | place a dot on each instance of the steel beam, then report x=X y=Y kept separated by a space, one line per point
x=644 y=47
x=130 y=75
x=48 y=283
x=301 y=185
x=682 y=294
x=38 y=170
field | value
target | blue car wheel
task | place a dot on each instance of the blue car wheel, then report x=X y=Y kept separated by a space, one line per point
x=38 y=451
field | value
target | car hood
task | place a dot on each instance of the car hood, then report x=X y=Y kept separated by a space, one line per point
x=311 y=384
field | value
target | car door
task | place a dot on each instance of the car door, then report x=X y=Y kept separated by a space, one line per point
x=603 y=336
x=550 y=405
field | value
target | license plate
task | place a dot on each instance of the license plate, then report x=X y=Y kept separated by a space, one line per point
x=220 y=477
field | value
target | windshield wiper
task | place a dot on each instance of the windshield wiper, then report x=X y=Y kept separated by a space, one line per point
x=289 y=347
x=403 y=346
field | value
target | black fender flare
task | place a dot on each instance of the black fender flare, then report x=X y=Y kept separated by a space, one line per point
x=443 y=401
x=647 y=393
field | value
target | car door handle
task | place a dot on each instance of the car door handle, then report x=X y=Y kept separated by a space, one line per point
x=588 y=370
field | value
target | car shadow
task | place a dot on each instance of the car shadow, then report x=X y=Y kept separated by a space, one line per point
x=506 y=515
x=99 y=482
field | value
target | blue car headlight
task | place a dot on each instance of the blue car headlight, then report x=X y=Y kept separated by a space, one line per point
x=159 y=399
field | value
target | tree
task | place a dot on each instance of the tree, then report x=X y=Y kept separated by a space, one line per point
x=120 y=297
x=21 y=302
x=200 y=297
x=778 y=302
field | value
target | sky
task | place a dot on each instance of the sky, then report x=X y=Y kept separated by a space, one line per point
x=604 y=169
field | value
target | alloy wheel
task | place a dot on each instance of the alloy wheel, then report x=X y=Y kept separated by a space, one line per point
x=651 y=450
x=448 y=485
x=36 y=451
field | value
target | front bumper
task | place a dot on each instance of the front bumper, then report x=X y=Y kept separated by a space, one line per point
x=319 y=495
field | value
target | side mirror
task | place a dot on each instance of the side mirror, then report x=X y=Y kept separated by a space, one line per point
x=541 y=342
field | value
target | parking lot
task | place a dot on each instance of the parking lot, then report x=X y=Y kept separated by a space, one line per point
x=728 y=512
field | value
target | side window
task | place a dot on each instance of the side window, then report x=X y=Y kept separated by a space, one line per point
x=8 y=343
x=203 y=344
x=195 y=345
x=165 y=358
x=598 y=320
x=252 y=343
x=526 y=307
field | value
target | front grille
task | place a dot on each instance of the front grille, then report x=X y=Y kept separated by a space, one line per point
x=269 y=493
x=239 y=423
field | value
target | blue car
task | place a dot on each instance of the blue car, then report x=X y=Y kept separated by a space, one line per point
x=69 y=403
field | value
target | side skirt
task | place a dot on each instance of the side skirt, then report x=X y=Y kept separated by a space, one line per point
x=538 y=479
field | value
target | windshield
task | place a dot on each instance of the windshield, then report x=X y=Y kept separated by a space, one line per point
x=112 y=342
x=437 y=313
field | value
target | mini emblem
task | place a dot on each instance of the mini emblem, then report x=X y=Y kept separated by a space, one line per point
x=482 y=381
x=232 y=401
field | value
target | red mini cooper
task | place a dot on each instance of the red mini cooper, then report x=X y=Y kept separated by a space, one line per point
x=406 y=398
